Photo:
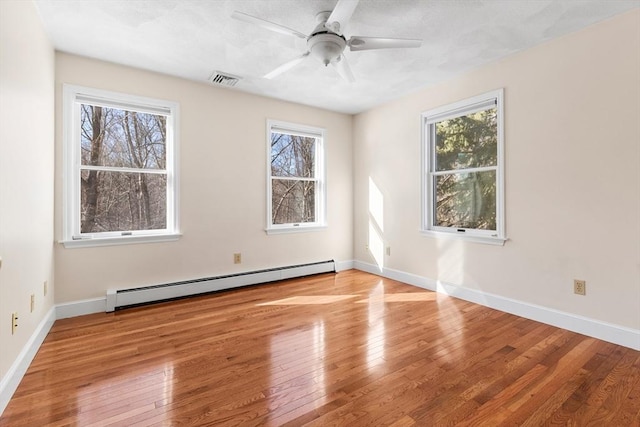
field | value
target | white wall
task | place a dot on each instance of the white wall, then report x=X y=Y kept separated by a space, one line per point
x=572 y=138
x=222 y=187
x=26 y=176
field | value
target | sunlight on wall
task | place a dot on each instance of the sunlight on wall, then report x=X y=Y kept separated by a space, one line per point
x=451 y=261
x=376 y=246
x=376 y=224
x=376 y=204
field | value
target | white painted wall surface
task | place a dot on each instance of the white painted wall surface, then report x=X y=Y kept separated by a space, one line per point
x=222 y=171
x=572 y=142
x=26 y=176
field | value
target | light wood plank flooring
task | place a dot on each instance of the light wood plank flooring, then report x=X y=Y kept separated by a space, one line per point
x=347 y=349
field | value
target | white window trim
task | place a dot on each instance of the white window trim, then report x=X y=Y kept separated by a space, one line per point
x=321 y=198
x=497 y=237
x=71 y=237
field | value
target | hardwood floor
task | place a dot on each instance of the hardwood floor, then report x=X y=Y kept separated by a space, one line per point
x=347 y=349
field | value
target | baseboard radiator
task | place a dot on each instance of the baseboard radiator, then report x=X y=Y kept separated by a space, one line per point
x=120 y=298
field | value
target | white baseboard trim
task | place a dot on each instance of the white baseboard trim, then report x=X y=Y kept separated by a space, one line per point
x=117 y=298
x=343 y=265
x=12 y=378
x=609 y=332
x=80 y=308
x=14 y=375
x=99 y=305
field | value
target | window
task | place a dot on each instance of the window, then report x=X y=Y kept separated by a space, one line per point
x=296 y=188
x=119 y=168
x=463 y=190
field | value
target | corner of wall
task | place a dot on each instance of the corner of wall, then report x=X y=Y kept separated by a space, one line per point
x=27 y=80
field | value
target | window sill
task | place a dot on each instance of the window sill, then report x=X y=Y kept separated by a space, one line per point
x=299 y=229
x=120 y=240
x=487 y=240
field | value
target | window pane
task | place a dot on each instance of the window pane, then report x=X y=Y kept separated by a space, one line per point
x=120 y=138
x=292 y=155
x=293 y=201
x=468 y=141
x=122 y=201
x=466 y=200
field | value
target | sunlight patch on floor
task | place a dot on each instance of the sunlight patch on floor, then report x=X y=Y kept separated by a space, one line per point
x=309 y=300
x=402 y=297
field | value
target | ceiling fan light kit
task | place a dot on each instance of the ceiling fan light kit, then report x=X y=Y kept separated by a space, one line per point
x=327 y=42
x=326 y=47
x=324 y=44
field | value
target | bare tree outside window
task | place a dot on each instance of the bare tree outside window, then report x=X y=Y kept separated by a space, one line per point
x=293 y=178
x=123 y=170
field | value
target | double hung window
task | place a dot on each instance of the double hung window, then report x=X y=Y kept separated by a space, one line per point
x=119 y=168
x=296 y=187
x=463 y=174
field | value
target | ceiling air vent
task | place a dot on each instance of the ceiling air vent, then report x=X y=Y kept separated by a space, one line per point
x=222 y=79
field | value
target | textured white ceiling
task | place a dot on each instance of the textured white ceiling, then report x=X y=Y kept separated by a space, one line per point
x=192 y=38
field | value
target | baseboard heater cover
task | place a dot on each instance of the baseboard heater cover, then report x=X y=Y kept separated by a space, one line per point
x=119 y=298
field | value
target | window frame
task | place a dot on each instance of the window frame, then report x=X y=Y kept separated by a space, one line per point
x=73 y=97
x=428 y=172
x=319 y=134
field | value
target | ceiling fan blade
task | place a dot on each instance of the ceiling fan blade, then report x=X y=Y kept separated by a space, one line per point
x=267 y=24
x=342 y=67
x=341 y=15
x=366 y=43
x=286 y=66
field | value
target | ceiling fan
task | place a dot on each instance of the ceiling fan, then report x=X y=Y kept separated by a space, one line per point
x=327 y=41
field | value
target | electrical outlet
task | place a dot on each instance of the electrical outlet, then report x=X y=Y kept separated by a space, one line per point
x=33 y=302
x=14 y=322
x=388 y=250
x=579 y=287
x=237 y=258
x=46 y=285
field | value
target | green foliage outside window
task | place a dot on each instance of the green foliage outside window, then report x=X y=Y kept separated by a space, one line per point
x=465 y=162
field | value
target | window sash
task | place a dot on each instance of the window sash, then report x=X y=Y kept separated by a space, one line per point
x=292 y=178
x=459 y=111
x=434 y=189
x=429 y=195
x=97 y=101
x=467 y=170
x=432 y=139
x=316 y=145
x=73 y=98
x=302 y=131
x=318 y=173
x=123 y=169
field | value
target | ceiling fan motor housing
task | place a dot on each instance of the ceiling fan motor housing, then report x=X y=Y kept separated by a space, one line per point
x=327 y=47
x=327 y=41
